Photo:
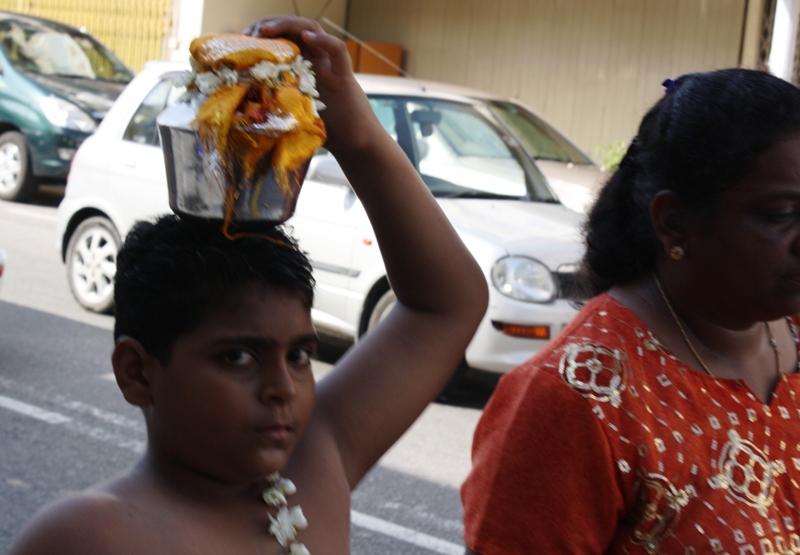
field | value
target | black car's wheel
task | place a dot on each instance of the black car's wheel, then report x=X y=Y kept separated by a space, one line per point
x=380 y=309
x=92 y=263
x=16 y=179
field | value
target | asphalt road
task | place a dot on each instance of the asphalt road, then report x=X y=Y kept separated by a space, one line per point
x=64 y=425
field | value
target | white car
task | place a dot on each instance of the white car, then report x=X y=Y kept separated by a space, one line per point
x=484 y=158
x=2 y=264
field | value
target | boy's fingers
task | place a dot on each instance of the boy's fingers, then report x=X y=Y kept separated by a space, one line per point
x=283 y=26
x=323 y=45
x=323 y=50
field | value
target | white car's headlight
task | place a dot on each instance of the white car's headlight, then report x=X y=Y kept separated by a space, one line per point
x=524 y=279
x=65 y=114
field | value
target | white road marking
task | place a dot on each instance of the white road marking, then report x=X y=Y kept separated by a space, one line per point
x=408 y=535
x=32 y=213
x=32 y=411
x=113 y=418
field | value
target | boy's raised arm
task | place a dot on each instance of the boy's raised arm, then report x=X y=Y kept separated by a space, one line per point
x=382 y=386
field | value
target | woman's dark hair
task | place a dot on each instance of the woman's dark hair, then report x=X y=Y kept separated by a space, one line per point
x=172 y=272
x=701 y=138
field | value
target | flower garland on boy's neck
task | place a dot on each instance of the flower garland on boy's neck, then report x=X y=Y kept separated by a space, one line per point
x=285 y=524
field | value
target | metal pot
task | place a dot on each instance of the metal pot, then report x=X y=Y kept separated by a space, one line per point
x=197 y=183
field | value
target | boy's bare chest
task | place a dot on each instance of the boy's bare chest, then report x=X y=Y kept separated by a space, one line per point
x=175 y=529
x=220 y=541
x=196 y=536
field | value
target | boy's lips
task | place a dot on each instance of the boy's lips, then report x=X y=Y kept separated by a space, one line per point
x=278 y=432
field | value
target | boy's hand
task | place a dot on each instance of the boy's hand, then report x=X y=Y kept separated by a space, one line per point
x=348 y=116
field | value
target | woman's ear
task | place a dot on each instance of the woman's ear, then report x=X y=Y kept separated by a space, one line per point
x=669 y=222
x=133 y=368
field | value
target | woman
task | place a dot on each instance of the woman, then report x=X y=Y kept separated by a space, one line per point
x=665 y=418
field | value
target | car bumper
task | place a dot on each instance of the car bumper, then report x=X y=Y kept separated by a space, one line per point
x=493 y=350
x=52 y=153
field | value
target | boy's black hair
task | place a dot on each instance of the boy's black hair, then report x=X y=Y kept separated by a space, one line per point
x=701 y=138
x=172 y=272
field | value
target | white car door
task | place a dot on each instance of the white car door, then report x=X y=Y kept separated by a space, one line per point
x=137 y=176
x=333 y=228
x=324 y=225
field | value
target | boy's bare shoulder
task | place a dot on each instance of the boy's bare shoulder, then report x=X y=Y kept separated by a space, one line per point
x=94 y=521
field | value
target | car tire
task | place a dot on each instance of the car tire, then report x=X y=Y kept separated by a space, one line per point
x=16 y=178
x=455 y=386
x=92 y=262
x=380 y=309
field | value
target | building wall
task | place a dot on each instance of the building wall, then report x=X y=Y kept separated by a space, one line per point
x=142 y=30
x=228 y=15
x=195 y=17
x=783 y=51
x=592 y=68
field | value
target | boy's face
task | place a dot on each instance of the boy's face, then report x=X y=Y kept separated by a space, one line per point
x=234 y=399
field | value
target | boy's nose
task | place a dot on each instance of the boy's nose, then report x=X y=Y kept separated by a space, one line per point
x=277 y=383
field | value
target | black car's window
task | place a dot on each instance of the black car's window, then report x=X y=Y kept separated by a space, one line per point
x=142 y=127
x=61 y=51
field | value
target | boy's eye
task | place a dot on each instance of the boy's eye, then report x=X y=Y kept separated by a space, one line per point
x=301 y=356
x=238 y=357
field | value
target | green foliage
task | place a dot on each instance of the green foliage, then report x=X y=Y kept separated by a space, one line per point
x=611 y=155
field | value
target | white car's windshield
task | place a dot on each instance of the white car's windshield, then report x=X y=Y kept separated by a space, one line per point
x=57 y=51
x=459 y=152
x=539 y=139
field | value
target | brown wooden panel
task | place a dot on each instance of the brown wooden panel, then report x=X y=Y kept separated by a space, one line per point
x=369 y=62
x=353 y=49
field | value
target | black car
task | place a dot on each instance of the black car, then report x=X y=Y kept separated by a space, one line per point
x=56 y=84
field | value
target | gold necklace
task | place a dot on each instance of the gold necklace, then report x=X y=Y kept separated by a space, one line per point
x=772 y=341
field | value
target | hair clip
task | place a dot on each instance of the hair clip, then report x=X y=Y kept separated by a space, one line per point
x=669 y=86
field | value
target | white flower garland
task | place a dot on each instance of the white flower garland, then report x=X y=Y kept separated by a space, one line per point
x=285 y=524
x=268 y=73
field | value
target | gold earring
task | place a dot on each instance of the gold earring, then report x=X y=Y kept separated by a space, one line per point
x=677 y=253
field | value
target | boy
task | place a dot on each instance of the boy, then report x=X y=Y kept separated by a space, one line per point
x=213 y=342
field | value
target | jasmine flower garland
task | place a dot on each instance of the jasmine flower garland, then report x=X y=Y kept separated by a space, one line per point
x=285 y=524
x=268 y=73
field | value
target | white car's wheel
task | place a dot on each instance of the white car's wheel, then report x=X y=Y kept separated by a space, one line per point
x=382 y=307
x=92 y=263
x=16 y=179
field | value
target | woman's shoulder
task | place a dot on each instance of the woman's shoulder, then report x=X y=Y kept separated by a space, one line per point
x=603 y=333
